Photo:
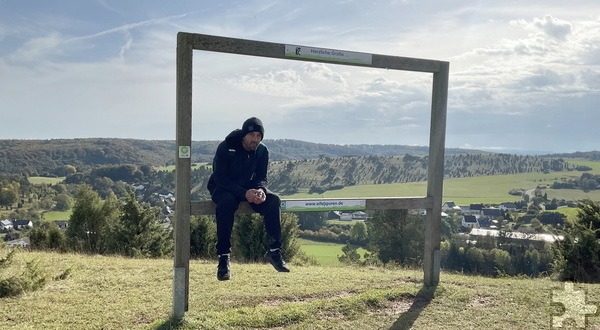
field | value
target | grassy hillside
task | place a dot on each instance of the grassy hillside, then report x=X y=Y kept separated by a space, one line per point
x=326 y=173
x=491 y=189
x=118 y=293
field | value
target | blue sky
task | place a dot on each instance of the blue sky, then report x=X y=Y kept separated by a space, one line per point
x=524 y=75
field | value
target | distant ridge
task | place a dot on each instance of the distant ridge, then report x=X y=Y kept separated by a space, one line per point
x=49 y=157
x=591 y=155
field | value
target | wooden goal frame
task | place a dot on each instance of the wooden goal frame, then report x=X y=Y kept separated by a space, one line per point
x=432 y=202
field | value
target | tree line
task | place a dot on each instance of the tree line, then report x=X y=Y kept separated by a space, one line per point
x=129 y=228
x=51 y=157
x=585 y=182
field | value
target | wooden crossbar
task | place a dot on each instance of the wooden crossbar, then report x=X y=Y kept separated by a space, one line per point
x=207 y=207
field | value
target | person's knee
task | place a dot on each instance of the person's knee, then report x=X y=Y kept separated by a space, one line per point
x=273 y=200
x=226 y=202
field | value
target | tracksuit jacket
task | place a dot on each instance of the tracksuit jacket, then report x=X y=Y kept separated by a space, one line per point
x=237 y=170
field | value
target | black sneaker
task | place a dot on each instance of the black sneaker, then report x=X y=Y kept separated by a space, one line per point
x=223 y=273
x=274 y=258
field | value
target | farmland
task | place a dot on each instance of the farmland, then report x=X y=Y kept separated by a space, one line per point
x=493 y=189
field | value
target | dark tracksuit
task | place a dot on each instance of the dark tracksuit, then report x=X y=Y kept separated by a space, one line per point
x=236 y=170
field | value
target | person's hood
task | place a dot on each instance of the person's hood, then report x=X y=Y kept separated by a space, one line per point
x=234 y=139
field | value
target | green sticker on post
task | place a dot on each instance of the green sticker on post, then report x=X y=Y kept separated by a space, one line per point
x=185 y=152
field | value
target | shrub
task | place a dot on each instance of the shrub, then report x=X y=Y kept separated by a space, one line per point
x=323 y=235
x=579 y=252
x=48 y=237
x=203 y=237
x=350 y=256
x=16 y=279
x=249 y=237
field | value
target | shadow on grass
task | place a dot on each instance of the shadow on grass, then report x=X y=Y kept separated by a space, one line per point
x=422 y=299
x=171 y=324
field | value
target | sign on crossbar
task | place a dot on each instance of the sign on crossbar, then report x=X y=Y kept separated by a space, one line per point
x=323 y=205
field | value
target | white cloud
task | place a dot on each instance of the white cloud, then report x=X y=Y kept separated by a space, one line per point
x=38 y=48
x=324 y=73
x=281 y=83
x=553 y=27
x=516 y=74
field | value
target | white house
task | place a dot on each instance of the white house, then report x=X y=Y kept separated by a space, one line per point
x=21 y=224
x=5 y=225
x=472 y=209
x=450 y=206
x=549 y=238
x=20 y=243
x=470 y=221
x=168 y=199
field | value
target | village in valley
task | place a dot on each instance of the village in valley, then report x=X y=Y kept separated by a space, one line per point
x=477 y=220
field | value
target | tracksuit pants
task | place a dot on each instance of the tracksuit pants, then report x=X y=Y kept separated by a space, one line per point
x=227 y=203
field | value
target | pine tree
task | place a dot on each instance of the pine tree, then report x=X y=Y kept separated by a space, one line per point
x=137 y=232
x=579 y=252
x=88 y=220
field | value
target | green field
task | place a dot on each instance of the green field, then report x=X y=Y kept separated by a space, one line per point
x=44 y=180
x=570 y=212
x=326 y=254
x=56 y=215
x=464 y=191
x=343 y=222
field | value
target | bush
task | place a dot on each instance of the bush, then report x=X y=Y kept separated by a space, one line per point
x=203 y=237
x=350 y=256
x=249 y=237
x=312 y=220
x=579 y=252
x=48 y=237
x=323 y=235
x=16 y=279
x=397 y=236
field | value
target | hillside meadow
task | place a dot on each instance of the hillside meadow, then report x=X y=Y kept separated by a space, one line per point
x=44 y=180
x=118 y=293
x=56 y=215
x=326 y=254
x=491 y=189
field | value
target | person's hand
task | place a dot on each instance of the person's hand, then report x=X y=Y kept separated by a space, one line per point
x=255 y=196
x=260 y=196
